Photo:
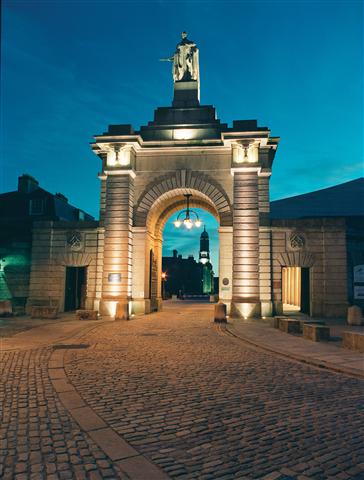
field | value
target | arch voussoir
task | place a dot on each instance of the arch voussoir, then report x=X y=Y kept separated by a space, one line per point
x=183 y=179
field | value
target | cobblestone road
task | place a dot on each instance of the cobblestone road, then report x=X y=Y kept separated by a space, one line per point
x=38 y=438
x=201 y=404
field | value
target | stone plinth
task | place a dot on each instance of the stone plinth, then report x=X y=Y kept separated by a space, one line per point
x=44 y=312
x=316 y=333
x=274 y=322
x=5 y=307
x=87 y=314
x=186 y=94
x=246 y=310
x=122 y=311
x=355 y=316
x=289 y=325
x=354 y=341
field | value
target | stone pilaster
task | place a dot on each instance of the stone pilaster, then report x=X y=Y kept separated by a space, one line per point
x=225 y=265
x=246 y=298
x=140 y=290
x=102 y=199
x=158 y=244
x=117 y=264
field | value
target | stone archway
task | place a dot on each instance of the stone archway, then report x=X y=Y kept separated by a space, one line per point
x=144 y=174
x=78 y=262
x=74 y=259
x=295 y=259
x=151 y=215
x=183 y=181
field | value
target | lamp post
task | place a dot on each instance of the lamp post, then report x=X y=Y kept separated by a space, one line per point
x=164 y=279
x=187 y=221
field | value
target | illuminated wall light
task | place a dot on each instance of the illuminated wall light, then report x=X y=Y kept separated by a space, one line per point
x=248 y=153
x=253 y=154
x=124 y=156
x=246 y=310
x=111 y=158
x=110 y=307
x=183 y=134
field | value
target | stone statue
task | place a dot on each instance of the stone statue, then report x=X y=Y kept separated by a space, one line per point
x=185 y=61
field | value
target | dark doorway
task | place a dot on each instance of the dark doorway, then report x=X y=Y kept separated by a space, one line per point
x=305 y=290
x=75 y=292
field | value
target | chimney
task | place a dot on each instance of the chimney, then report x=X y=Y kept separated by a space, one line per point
x=27 y=184
x=62 y=197
x=174 y=253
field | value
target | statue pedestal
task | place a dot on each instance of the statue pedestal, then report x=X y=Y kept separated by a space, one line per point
x=186 y=94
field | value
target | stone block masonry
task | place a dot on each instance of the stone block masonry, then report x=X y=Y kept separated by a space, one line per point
x=117 y=261
x=246 y=244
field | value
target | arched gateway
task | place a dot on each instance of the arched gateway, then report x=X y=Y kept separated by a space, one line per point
x=145 y=175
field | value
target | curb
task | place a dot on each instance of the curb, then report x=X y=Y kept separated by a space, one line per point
x=83 y=329
x=308 y=361
x=121 y=453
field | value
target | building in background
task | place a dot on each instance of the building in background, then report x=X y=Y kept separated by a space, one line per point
x=19 y=211
x=204 y=259
x=186 y=276
x=329 y=224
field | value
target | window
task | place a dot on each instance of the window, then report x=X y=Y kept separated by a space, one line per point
x=36 y=206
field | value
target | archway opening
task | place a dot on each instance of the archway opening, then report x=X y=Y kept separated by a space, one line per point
x=190 y=258
x=150 y=217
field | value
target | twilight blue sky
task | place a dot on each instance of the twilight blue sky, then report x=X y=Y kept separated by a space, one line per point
x=70 y=68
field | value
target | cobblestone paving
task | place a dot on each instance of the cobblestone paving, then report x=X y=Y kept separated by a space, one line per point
x=38 y=438
x=203 y=405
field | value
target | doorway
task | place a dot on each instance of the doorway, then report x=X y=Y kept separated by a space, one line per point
x=75 y=291
x=296 y=290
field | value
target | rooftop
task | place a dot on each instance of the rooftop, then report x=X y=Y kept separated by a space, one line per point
x=343 y=200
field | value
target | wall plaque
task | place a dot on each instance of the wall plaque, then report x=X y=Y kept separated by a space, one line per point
x=359 y=292
x=74 y=241
x=359 y=274
x=225 y=281
x=296 y=241
x=114 y=277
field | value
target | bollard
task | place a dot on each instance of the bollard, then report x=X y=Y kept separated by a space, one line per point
x=220 y=313
x=122 y=311
x=355 y=316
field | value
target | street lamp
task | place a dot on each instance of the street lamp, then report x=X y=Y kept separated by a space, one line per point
x=164 y=279
x=188 y=222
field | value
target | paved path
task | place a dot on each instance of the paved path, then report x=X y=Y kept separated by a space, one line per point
x=46 y=334
x=187 y=397
x=323 y=354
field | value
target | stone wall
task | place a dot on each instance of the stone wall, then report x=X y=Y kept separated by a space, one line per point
x=323 y=252
x=57 y=245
